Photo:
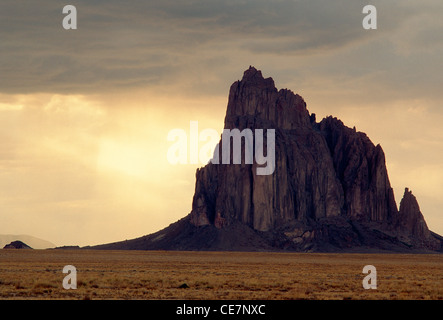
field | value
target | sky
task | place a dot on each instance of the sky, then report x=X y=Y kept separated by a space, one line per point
x=85 y=113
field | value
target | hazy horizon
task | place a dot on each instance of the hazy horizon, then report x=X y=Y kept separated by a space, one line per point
x=84 y=114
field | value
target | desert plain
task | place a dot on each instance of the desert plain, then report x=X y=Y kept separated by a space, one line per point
x=104 y=275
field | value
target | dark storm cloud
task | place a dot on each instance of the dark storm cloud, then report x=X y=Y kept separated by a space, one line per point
x=178 y=43
x=148 y=42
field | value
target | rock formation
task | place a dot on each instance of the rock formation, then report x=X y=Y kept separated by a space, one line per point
x=17 y=245
x=329 y=191
x=361 y=169
x=412 y=225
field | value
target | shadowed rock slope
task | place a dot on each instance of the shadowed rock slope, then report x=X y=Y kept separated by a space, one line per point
x=17 y=245
x=330 y=190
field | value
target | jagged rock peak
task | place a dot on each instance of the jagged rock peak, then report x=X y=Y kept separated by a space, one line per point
x=411 y=220
x=252 y=76
x=254 y=101
x=409 y=205
x=410 y=215
x=361 y=168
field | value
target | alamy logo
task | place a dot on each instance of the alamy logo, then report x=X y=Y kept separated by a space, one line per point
x=70 y=281
x=370 y=281
x=70 y=20
x=253 y=147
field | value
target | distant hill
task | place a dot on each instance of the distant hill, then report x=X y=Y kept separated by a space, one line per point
x=17 y=245
x=31 y=241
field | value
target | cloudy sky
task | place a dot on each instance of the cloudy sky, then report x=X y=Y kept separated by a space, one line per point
x=84 y=114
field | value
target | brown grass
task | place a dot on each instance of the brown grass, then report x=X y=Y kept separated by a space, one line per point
x=37 y=274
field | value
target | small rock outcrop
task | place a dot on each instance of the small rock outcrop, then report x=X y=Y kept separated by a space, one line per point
x=17 y=245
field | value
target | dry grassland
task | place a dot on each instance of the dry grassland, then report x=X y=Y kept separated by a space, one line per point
x=37 y=274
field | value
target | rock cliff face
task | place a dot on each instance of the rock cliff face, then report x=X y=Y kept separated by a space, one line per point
x=329 y=191
x=304 y=184
x=361 y=169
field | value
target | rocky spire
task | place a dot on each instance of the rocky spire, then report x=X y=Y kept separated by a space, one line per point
x=410 y=216
x=411 y=223
x=255 y=101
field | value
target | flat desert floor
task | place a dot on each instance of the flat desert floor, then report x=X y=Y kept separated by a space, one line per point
x=38 y=274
